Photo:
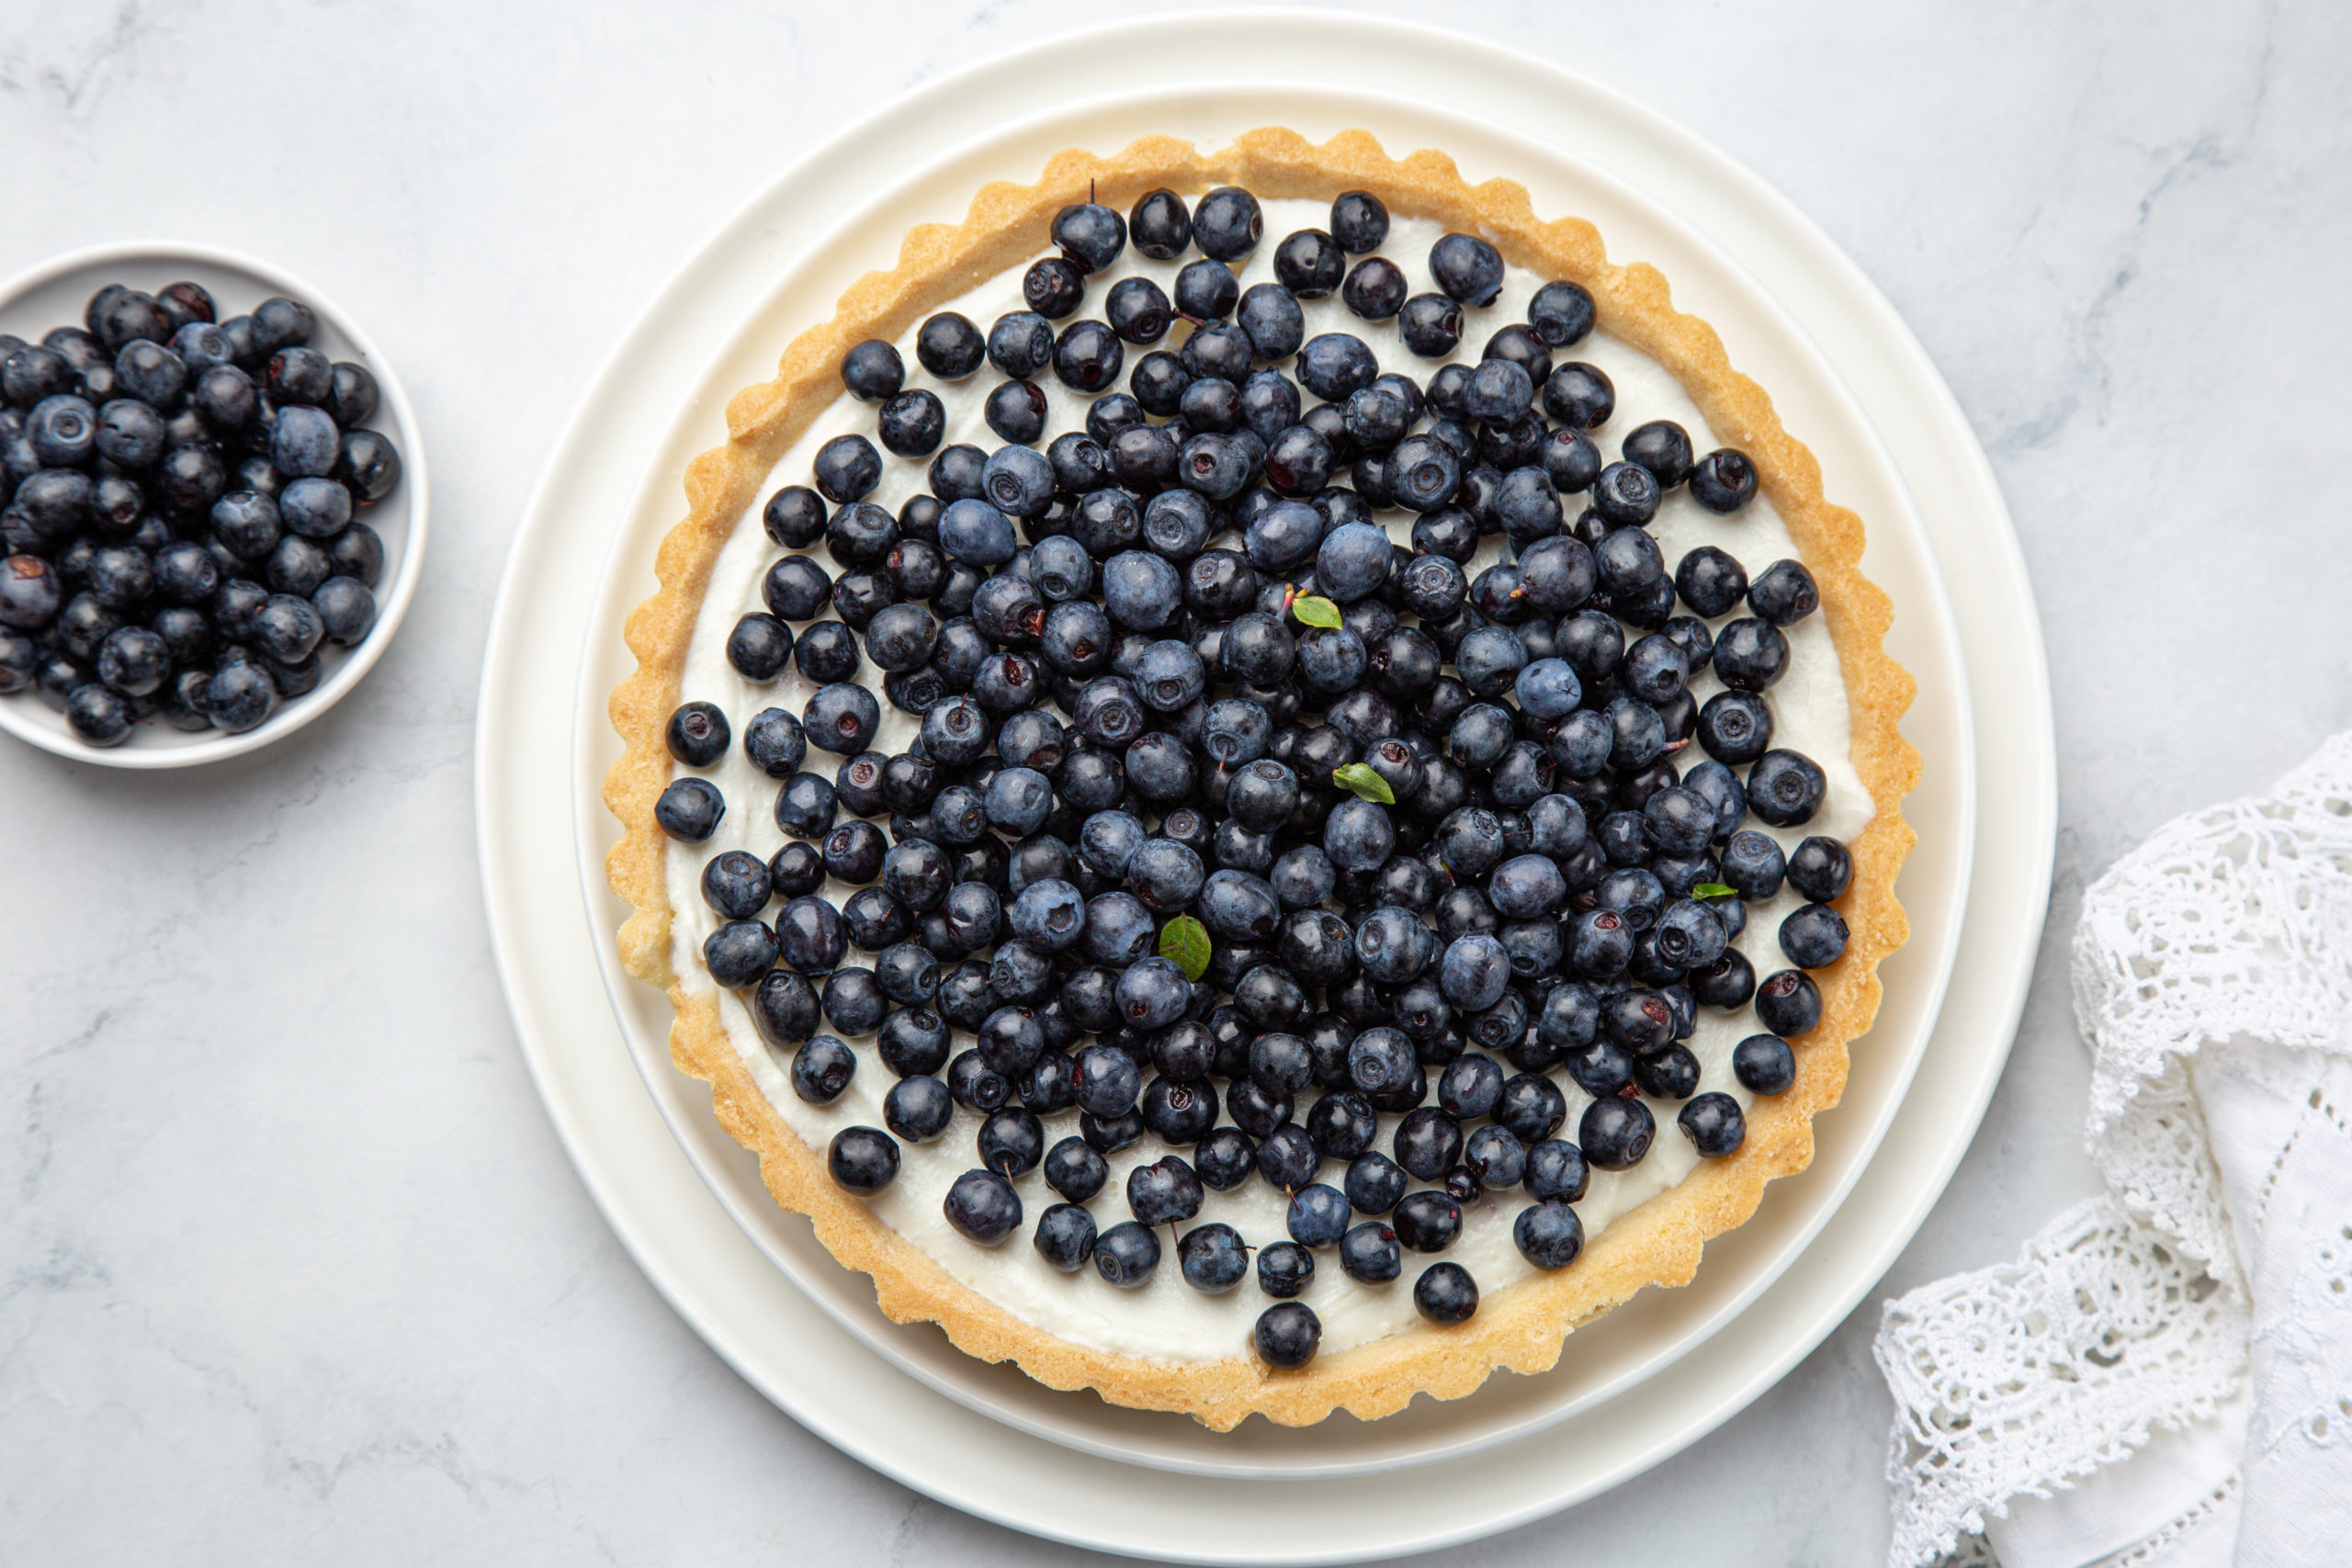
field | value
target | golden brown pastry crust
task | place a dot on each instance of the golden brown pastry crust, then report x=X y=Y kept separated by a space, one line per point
x=1522 y=1327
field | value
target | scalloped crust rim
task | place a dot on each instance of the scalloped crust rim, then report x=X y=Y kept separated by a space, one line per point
x=1525 y=1325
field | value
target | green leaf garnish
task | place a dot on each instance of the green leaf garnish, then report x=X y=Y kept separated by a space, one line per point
x=1315 y=610
x=1713 y=890
x=1184 y=943
x=1368 y=785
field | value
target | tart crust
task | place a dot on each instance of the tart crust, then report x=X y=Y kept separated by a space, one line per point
x=1522 y=1326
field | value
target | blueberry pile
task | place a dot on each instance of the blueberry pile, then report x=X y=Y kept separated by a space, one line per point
x=182 y=536
x=1235 y=825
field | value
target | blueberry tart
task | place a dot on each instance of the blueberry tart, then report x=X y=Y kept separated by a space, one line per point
x=1262 y=781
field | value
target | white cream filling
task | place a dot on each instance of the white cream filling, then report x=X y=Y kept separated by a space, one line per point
x=1167 y=1319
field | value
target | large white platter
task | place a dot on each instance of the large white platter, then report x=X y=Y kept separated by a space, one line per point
x=1628 y=1347
x=610 y=486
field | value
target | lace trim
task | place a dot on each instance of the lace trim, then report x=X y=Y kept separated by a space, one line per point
x=2235 y=921
x=2022 y=1378
x=2129 y=1313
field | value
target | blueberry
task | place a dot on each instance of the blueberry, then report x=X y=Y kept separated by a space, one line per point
x=1205 y=291
x=1615 y=1134
x=1054 y=286
x=1428 y=1221
x=1532 y=1107
x=1375 y=290
x=1785 y=788
x=821 y=1069
x=739 y=952
x=294 y=375
x=1335 y=365
x=1075 y=1170
x=1730 y=981
x=1713 y=1123
x=1821 y=869
x=30 y=592
x=1141 y=590
x=798 y=869
x=1065 y=1236
x=1560 y=314
x=809 y=936
x=1153 y=994
x=1359 y=222
x=976 y=1085
x=1288 y=1159
x=288 y=629
x=63 y=430
x=1724 y=480
x=150 y=373
x=1011 y=1140
x=1499 y=392
x=1318 y=1215
x=1270 y=315
x=1784 y=594
x=1369 y=1253
x=847 y=469
x=1663 y=447
x=1710 y=581
x=1735 y=727
x=948 y=344
x=689 y=809
x=1474 y=973
x=1227 y=224
x=983 y=1206
x=98 y=714
x=1108 y=1081
x=1287 y=1332
x=1445 y=1295
x=794 y=517
x=1764 y=1065
x=1087 y=356
x=1159 y=225
x=1548 y=1234
x=912 y=423
x=1579 y=395
x=315 y=508
x=975 y=531
x=1127 y=1253
x=303 y=443
x=1139 y=312
x=1285 y=1268
x=1813 y=935
x=1467 y=269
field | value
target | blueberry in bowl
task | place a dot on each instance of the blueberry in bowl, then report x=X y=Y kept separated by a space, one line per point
x=240 y=515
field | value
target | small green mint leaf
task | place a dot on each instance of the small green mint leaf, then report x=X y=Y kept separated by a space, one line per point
x=1184 y=943
x=1368 y=785
x=1713 y=890
x=1314 y=610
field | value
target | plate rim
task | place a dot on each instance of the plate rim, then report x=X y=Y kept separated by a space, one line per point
x=680 y=1106
x=2028 y=851
x=390 y=611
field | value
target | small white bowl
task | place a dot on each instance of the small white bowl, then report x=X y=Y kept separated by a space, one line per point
x=52 y=295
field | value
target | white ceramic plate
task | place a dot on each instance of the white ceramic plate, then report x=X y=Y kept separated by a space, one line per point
x=726 y=1287
x=1630 y=1345
x=52 y=295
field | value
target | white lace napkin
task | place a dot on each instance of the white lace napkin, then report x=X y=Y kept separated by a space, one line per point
x=2163 y=1378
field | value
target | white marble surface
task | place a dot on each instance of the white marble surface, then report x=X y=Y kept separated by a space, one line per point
x=291 y=1268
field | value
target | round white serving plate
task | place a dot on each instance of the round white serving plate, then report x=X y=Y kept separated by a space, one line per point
x=549 y=939
x=52 y=295
x=1627 y=1346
